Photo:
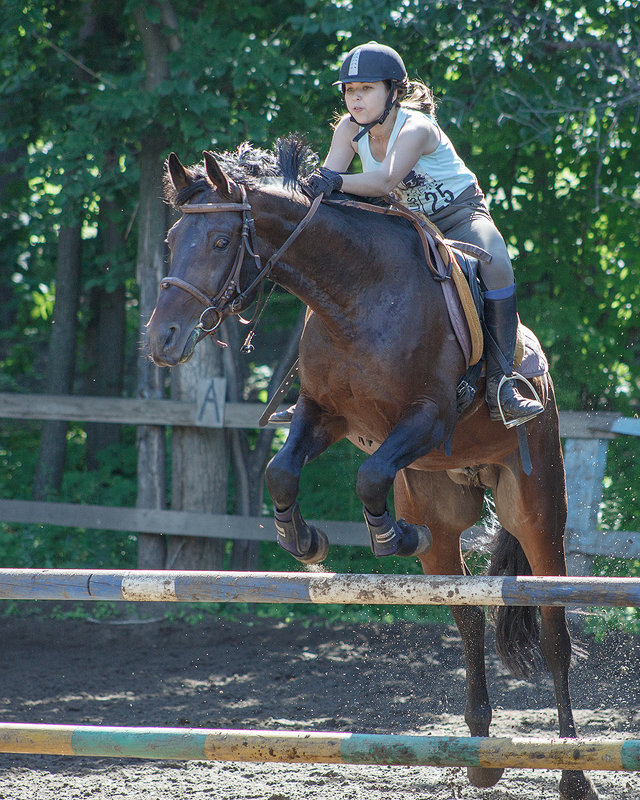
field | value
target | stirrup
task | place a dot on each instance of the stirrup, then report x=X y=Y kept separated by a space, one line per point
x=516 y=376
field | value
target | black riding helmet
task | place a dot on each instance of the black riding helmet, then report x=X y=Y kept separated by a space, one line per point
x=370 y=63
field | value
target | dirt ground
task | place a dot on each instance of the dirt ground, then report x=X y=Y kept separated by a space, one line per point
x=369 y=678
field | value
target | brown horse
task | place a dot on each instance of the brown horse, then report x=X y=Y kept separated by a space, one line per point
x=379 y=365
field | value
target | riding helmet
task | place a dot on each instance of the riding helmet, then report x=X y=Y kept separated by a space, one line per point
x=371 y=62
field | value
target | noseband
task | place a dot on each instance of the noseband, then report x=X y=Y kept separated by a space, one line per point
x=230 y=295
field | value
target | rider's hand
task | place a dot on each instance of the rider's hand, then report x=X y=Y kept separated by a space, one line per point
x=324 y=181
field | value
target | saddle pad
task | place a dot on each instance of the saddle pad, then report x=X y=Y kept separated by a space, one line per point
x=533 y=361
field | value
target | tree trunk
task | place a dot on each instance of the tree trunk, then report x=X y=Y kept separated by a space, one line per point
x=105 y=337
x=12 y=186
x=61 y=359
x=150 y=268
x=152 y=226
x=199 y=467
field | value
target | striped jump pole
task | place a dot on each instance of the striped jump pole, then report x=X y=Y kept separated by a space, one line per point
x=314 y=587
x=193 y=744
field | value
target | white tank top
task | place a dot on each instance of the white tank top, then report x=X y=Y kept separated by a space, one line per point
x=435 y=180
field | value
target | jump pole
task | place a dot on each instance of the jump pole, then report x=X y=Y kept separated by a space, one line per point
x=192 y=744
x=314 y=587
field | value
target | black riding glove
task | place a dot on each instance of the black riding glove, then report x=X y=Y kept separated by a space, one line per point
x=324 y=181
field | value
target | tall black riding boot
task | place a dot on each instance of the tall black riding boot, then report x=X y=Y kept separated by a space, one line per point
x=501 y=320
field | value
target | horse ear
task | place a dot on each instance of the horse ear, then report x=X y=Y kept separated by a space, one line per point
x=179 y=175
x=218 y=178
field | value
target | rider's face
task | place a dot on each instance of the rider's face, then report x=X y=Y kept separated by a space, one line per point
x=365 y=101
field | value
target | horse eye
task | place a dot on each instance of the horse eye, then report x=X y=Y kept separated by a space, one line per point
x=221 y=243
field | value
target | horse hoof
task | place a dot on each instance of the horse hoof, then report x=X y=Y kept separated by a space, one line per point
x=575 y=785
x=318 y=550
x=305 y=543
x=390 y=537
x=484 y=777
x=416 y=539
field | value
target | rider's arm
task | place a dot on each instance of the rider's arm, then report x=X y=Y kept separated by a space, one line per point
x=417 y=137
x=342 y=149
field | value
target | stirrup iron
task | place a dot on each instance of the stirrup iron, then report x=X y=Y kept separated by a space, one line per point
x=515 y=376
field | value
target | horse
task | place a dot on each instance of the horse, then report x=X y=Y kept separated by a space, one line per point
x=379 y=364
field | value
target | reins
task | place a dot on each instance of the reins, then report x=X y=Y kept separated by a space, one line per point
x=230 y=295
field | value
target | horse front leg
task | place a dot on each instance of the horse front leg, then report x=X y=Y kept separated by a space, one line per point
x=421 y=430
x=311 y=432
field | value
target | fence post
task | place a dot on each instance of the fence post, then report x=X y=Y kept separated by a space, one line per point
x=585 y=461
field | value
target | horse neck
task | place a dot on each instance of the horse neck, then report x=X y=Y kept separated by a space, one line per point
x=321 y=268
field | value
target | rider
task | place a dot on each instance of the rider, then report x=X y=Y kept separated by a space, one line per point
x=391 y=125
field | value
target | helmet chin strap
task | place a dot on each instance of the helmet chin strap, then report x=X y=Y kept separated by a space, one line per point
x=387 y=109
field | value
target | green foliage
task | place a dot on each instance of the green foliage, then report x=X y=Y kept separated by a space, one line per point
x=539 y=99
x=620 y=500
x=599 y=621
x=113 y=483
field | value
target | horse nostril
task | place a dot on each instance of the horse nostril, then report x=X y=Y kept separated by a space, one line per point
x=172 y=333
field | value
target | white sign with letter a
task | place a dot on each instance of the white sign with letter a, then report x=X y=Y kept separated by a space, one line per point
x=210 y=401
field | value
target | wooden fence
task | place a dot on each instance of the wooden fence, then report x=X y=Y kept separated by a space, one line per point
x=586 y=438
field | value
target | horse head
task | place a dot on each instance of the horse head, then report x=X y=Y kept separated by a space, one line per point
x=212 y=256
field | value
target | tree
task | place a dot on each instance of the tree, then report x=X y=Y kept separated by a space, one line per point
x=61 y=360
x=540 y=99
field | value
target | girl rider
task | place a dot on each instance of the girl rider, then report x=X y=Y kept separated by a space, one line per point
x=404 y=152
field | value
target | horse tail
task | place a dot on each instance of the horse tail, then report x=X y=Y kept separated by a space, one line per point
x=517 y=627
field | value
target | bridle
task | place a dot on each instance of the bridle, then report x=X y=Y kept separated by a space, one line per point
x=230 y=296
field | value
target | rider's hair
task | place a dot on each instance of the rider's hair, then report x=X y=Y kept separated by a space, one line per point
x=414 y=94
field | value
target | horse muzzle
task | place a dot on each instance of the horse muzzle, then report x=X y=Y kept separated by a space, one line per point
x=168 y=346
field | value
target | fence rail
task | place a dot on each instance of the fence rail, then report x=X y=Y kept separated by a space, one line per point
x=137 y=411
x=319 y=747
x=586 y=435
x=194 y=586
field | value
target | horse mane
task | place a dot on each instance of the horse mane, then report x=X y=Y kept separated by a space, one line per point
x=290 y=161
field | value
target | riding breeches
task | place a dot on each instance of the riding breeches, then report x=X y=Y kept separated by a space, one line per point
x=467 y=219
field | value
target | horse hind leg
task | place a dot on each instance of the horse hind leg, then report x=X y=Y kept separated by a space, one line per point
x=556 y=647
x=448 y=509
x=538 y=550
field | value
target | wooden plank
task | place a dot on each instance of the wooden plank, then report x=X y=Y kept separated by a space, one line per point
x=122 y=410
x=585 y=461
x=319 y=747
x=612 y=544
x=136 y=411
x=588 y=424
x=620 y=544
x=128 y=411
x=630 y=426
x=172 y=523
x=215 y=586
x=243 y=415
